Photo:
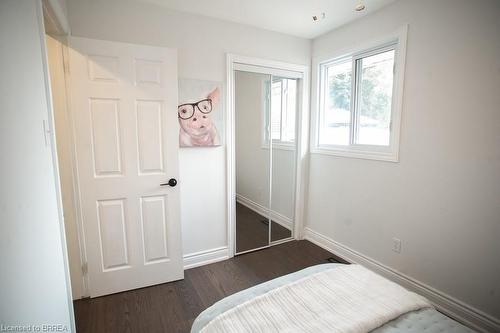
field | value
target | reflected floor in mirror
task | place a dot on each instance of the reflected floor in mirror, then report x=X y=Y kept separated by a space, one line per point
x=252 y=229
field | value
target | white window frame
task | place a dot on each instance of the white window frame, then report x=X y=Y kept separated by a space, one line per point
x=266 y=128
x=396 y=41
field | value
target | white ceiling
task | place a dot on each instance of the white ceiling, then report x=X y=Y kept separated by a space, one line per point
x=293 y=17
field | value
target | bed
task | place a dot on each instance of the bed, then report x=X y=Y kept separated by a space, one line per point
x=362 y=302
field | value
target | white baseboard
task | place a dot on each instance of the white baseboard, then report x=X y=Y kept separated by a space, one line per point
x=281 y=219
x=206 y=257
x=466 y=314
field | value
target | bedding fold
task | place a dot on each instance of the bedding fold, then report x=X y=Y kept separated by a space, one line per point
x=348 y=298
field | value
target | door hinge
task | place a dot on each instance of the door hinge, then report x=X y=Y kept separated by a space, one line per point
x=85 y=268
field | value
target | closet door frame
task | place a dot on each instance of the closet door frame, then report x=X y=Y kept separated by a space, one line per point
x=303 y=116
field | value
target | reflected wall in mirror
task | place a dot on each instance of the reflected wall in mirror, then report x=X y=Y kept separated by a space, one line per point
x=282 y=132
x=252 y=161
x=265 y=155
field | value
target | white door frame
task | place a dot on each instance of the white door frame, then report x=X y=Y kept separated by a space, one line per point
x=302 y=142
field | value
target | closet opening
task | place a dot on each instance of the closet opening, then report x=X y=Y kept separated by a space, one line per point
x=266 y=149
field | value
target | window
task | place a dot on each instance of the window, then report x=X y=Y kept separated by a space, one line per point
x=359 y=107
x=280 y=125
x=336 y=113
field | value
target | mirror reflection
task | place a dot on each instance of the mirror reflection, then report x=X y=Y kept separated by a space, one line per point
x=282 y=132
x=265 y=155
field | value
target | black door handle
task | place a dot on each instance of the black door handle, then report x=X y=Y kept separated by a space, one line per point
x=171 y=182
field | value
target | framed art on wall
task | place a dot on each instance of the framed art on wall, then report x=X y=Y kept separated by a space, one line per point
x=200 y=113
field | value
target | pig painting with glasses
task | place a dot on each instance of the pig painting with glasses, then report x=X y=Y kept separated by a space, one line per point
x=197 y=127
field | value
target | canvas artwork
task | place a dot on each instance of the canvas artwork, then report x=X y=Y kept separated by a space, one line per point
x=200 y=113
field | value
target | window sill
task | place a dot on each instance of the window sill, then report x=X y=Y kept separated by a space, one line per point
x=387 y=156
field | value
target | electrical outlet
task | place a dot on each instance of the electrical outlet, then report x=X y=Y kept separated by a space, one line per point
x=396 y=245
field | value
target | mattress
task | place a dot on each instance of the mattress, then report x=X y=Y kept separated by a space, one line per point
x=428 y=320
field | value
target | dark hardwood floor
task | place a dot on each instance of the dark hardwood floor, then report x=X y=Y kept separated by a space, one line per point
x=252 y=229
x=172 y=307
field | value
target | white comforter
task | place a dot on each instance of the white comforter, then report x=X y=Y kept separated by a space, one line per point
x=348 y=298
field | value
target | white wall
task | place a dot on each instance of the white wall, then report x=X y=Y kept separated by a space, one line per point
x=252 y=160
x=442 y=198
x=202 y=44
x=34 y=282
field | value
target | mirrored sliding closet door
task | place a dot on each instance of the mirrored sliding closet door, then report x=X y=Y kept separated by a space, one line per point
x=266 y=108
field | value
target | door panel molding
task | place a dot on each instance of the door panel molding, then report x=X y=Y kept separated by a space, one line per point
x=124 y=119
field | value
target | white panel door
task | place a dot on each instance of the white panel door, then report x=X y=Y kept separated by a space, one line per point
x=124 y=109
